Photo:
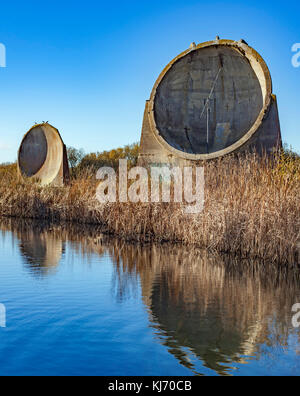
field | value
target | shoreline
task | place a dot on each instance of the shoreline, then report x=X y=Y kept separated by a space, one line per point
x=251 y=210
x=93 y=234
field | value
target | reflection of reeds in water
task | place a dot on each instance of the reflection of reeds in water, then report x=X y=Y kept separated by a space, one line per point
x=202 y=307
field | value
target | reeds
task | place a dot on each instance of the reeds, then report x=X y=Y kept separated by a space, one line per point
x=251 y=209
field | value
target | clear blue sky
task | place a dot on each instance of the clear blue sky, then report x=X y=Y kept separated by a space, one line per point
x=88 y=67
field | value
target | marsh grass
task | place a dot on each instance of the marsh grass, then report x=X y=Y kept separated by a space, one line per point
x=251 y=209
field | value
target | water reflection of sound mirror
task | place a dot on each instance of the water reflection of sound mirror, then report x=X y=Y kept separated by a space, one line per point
x=42 y=251
x=197 y=304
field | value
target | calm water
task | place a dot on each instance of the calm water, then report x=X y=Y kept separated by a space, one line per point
x=79 y=303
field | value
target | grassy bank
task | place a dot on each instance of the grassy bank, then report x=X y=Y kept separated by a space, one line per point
x=251 y=209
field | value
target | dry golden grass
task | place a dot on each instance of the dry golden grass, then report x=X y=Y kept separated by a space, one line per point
x=7 y=172
x=251 y=209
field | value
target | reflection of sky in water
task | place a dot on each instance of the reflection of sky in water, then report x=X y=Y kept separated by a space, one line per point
x=79 y=303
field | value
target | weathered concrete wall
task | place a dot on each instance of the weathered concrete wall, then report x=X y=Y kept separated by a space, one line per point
x=33 y=152
x=268 y=136
x=43 y=156
x=242 y=115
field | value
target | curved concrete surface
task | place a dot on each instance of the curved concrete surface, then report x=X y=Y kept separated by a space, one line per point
x=42 y=156
x=211 y=100
x=180 y=109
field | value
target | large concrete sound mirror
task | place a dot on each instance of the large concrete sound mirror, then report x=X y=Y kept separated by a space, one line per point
x=212 y=100
x=43 y=156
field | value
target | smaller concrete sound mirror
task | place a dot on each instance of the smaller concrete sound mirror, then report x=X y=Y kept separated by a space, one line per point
x=43 y=156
